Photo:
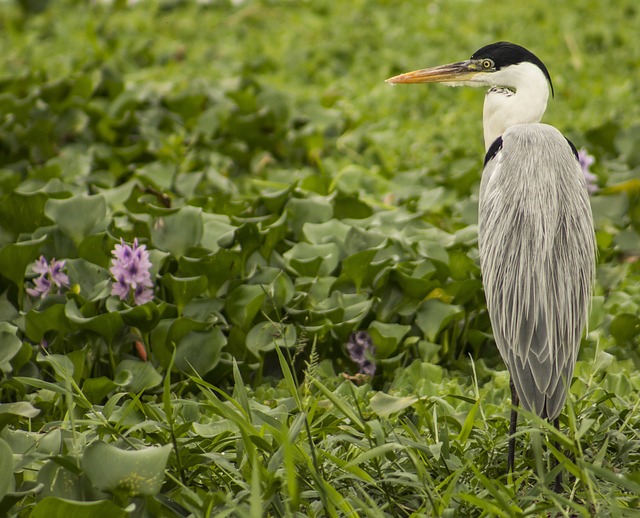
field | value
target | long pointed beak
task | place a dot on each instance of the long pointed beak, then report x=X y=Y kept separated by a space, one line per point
x=460 y=72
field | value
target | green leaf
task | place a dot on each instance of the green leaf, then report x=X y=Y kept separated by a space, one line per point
x=200 y=351
x=11 y=345
x=387 y=337
x=215 y=227
x=107 y=325
x=313 y=260
x=96 y=389
x=177 y=232
x=358 y=268
x=342 y=406
x=6 y=473
x=265 y=336
x=62 y=366
x=308 y=210
x=143 y=375
x=15 y=257
x=434 y=315
x=11 y=412
x=219 y=267
x=243 y=304
x=184 y=289
x=276 y=284
x=332 y=231
x=54 y=507
x=53 y=318
x=144 y=317
x=384 y=405
x=23 y=213
x=624 y=328
x=79 y=215
x=92 y=279
x=128 y=472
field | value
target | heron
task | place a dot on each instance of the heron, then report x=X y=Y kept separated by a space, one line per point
x=535 y=228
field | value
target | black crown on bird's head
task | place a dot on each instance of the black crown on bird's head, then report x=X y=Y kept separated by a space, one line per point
x=504 y=54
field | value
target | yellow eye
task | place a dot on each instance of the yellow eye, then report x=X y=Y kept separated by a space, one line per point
x=487 y=63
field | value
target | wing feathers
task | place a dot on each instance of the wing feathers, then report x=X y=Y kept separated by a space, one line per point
x=537 y=256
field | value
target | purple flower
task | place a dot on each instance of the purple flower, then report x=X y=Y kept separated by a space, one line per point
x=361 y=351
x=49 y=275
x=130 y=269
x=586 y=161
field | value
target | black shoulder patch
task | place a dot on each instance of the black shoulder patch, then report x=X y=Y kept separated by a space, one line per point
x=573 y=148
x=493 y=150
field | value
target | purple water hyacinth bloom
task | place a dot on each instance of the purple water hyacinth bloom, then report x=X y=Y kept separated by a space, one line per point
x=130 y=269
x=586 y=161
x=361 y=350
x=49 y=275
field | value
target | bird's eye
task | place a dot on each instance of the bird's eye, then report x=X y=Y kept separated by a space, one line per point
x=487 y=63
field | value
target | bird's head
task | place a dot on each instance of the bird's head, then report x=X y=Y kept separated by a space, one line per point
x=499 y=64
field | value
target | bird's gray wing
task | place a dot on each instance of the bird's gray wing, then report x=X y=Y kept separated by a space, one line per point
x=537 y=254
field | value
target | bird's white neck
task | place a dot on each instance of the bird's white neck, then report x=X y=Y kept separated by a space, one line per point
x=521 y=98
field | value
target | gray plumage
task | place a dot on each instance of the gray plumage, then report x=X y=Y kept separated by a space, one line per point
x=537 y=255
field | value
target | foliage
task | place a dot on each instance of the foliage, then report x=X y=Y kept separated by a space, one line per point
x=287 y=199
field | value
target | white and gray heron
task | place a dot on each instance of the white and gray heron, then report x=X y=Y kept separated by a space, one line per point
x=535 y=227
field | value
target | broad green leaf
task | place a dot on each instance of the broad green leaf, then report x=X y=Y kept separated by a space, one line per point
x=23 y=213
x=219 y=267
x=332 y=231
x=11 y=345
x=624 y=328
x=157 y=173
x=265 y=336
x=128 y=472
x=434 y=315
x=387 y=337
x=144 y=317
x=358 y=268
x=384 y=404
x=15 y=257
x=107 y=325
x=308 y=210
x=215 y=227
x=276 y=284
x=54 y=507
x=92 y=279
x=628 y=241
x=183 y=289
x=143 y=375
x=200 y=351
x=177 y=232
x=53 y=318
x=243 y=304
x=11 y=412
x=62 y=366
x=79 y=215
x=461 y=266
x=358 y=239
x=6 y=473
x=313 y=260
x=96 y=389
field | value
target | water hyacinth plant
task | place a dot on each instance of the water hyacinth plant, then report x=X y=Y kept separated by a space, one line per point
x=50 y=278
x=130 y=268
x=361 y=351
x=288 y=198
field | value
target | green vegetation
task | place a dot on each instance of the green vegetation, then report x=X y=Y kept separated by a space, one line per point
x=287 y=198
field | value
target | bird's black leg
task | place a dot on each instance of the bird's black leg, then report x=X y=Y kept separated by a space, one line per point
x=557 y=487
x=511 y=456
